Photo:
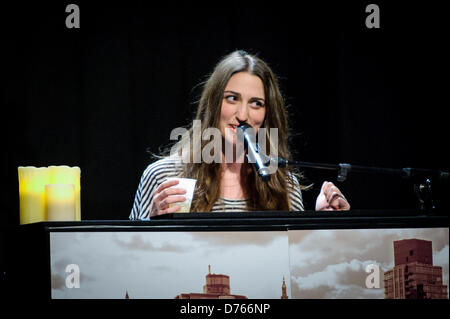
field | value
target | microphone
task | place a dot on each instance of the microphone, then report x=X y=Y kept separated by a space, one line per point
x=253 y=152
x=279 y=162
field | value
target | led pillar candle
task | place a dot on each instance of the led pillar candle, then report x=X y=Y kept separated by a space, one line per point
x=32 y=181
x=68 y=175
x=32 y=195
x=60 y=202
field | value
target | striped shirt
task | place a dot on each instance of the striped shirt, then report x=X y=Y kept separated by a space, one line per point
x=158 y=172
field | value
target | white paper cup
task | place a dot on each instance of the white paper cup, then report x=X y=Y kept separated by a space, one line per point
x=189 y=185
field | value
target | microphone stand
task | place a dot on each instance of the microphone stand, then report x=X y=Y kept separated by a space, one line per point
x=421 y=177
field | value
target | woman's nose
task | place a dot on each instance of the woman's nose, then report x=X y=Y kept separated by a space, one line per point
x=242 y=113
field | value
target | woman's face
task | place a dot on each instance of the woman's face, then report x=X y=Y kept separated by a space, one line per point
x=243 y=101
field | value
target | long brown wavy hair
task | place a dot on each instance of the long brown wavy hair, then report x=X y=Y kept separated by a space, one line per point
x=272 y=195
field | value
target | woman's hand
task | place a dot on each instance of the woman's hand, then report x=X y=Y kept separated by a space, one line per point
x=164 y=195
x=331 y=198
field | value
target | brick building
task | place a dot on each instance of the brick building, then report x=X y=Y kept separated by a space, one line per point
x=217 y=287
x=414 y=276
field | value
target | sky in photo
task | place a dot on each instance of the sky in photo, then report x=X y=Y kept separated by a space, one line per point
x=165 y=264
x=331 y=264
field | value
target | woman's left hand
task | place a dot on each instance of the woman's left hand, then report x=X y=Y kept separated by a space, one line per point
x=331 y=198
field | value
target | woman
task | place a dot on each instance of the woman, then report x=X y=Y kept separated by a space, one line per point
x=242 y=89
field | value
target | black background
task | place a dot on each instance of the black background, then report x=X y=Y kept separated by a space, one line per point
x=98 y=97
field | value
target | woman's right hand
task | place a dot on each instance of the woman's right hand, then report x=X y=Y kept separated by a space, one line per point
x=164 y=195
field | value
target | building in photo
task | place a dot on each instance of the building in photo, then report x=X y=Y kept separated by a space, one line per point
x=413 y=275
x=217 y=287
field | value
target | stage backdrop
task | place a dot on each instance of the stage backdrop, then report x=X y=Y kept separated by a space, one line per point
x=311 y=264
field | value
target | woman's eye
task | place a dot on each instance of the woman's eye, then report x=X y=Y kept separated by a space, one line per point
x=231 y=98
x=257 y=104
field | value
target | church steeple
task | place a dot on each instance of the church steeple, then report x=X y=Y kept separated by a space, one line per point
x=283 y=290
x=126 y=295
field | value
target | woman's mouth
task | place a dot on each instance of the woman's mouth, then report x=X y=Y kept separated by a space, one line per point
x=233 y=127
